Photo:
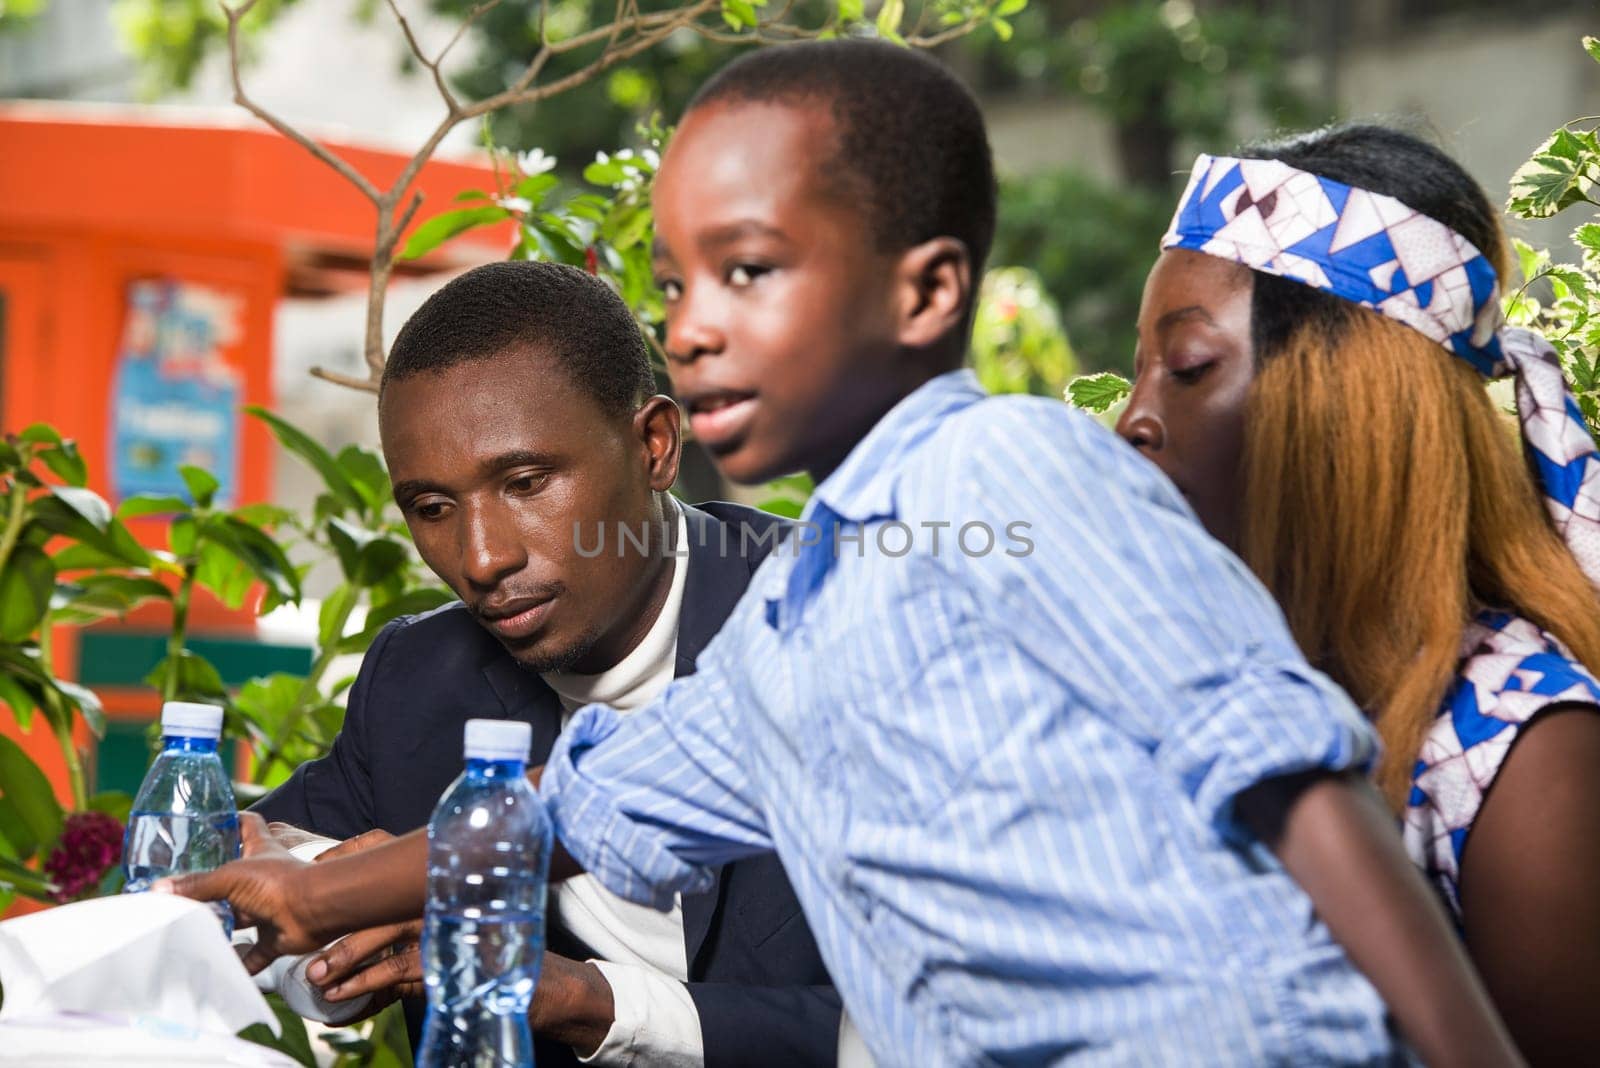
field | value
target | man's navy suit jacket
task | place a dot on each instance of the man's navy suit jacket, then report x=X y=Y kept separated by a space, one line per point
x=755 y=975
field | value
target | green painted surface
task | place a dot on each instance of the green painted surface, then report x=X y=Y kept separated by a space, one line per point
x=124 y=658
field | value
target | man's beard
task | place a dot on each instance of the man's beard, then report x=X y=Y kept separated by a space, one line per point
x=549 y=661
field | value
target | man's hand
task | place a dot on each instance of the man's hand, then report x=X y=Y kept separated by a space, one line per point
x=265 y=889
x=289 y=836
x=571 y=1004
x=359 y=844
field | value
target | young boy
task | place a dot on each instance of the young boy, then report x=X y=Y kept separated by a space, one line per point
x=1017 y=728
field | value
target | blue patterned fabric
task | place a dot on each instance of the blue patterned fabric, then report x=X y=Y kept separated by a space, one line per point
x=1375 y=251
x=1510 y=672
x=1001 y=782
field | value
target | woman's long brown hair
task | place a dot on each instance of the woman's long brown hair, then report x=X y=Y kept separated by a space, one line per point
x=1387 y=501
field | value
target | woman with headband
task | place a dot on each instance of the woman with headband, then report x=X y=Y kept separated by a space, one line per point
x=1313 y=346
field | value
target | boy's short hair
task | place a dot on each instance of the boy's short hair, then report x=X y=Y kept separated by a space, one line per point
x=548 y=309
x=912 y=145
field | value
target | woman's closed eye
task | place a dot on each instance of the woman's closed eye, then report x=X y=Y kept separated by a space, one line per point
x=1189 y=373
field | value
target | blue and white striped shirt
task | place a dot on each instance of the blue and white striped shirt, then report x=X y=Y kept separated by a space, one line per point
x=1001 y=782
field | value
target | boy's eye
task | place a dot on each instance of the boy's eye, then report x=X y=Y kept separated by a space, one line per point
x=671 y=288
x=743 y=274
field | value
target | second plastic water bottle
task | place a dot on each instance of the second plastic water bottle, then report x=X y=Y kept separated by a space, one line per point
x=483 y=939
x=184 y=818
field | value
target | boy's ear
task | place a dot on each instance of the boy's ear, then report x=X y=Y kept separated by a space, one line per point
x=657 y=427
x=935 y=286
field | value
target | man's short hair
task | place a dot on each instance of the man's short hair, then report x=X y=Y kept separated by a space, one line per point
x=548 y=309
x=912 y=147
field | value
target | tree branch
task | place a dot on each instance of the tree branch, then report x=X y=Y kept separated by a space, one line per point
x=422 y=57
x=366 y=385
x=240 y=97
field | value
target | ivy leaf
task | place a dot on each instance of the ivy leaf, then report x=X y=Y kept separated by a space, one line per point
x=447 y=224
x=1096 y=393
x=1556 y=177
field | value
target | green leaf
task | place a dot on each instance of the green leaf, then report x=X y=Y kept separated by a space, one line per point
x=335 y=612
x=40 y=434
x=412 y=602
x=20 y=879
x=84 y=517
x=258 y=552
x=293 y=1041
x=202 y=484
x=1008 y=8
x=21 y=698
x=263 y=514
x=1591 y=45
x=224 y=574
x=889 y=18
x=87 y=503
x=447 y=224
x=534 y=187
x=26 y=586
x=1002 y=29
x=30 y=815
x=739 y=14
x=151 y=504
x=65 y=463
x=367 y=558
x=1098 y=392
x=197 y=677
x=467 y=195
x=365 y=470
x=1557 y=176
x=1588 y=237
x=113 y=803
x=87 y=702
x=269 y=701
x=93 y=597
x=322 y=462
x=851 y=10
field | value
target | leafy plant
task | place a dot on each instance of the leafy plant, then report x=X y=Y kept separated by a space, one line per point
x=1562 y=300
x=64 y=557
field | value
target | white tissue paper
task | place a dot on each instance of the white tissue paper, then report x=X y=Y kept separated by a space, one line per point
x=286 y=976
x=109 y=976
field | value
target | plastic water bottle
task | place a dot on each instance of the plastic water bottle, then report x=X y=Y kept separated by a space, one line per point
x=483 y=938
x=184 y=818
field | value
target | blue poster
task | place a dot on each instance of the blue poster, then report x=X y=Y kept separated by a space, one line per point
x=174 y=397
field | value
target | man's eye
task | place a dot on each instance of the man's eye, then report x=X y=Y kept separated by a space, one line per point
x=428 y=510
x=523 y=485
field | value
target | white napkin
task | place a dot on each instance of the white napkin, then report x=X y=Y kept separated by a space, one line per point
x=286 y=976
x=134 y=955
x=69 y=1040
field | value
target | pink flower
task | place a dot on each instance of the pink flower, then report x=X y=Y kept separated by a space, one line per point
x=90 y=843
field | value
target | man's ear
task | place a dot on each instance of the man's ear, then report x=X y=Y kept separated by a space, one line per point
x=935 y=283
x=657 y=425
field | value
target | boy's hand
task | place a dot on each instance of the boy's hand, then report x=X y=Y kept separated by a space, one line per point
x=265 y=889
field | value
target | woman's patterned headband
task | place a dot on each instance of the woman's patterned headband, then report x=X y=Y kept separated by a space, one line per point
x=1375 y=251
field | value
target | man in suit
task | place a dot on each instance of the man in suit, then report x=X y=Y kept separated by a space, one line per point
x=532 y=462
